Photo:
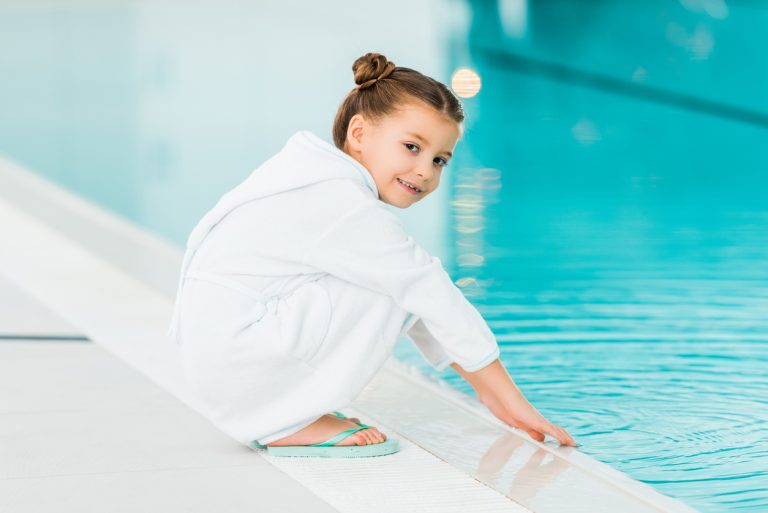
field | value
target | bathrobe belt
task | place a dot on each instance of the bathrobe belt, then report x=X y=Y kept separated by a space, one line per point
x=262 y=300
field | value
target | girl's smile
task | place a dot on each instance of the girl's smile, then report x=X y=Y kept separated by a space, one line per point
x=409 y=186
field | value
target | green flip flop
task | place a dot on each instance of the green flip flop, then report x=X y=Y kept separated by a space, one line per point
x=327 y=449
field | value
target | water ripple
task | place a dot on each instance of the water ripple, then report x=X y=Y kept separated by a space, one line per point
x=642 y=329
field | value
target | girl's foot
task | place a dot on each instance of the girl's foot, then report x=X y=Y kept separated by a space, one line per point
x=328 y=426
x=353 y=419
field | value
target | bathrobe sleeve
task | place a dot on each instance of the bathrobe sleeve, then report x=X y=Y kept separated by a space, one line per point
x=368 y=246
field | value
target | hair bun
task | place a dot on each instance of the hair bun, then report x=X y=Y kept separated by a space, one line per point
x=371 y=68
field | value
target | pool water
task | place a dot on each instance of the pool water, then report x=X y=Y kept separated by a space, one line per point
x=642 y=331
x=606 y=210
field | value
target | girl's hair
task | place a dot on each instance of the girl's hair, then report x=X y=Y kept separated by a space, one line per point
x=383 y=88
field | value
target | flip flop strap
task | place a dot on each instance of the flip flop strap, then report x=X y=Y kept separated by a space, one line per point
x=338 y=438
x=342 y=416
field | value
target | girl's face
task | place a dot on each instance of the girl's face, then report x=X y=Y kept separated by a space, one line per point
x=410 y=146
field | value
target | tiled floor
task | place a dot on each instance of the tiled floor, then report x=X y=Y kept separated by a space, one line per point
x=82 y=431
x=21 y=317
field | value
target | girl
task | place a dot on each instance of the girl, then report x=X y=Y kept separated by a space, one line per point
x=297 y=284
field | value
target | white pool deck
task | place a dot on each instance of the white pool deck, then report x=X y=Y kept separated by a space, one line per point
x=95 y=415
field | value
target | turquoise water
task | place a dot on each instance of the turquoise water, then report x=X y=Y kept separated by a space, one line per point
x=607 y=210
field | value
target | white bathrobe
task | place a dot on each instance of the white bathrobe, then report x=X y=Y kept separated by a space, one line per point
x=295 y=287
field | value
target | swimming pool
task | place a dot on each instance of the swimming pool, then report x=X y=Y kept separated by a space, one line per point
x=606 y=210
x=641 y=332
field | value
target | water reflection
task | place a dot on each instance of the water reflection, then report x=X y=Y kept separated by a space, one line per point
x=539 y=470
x=474 y=190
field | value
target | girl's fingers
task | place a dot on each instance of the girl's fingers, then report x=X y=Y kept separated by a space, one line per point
x=552 y=430
x=535 y=434
x=538 y=433
x=560 y=434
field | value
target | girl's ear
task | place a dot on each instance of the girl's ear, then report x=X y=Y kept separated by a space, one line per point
x=355 y=131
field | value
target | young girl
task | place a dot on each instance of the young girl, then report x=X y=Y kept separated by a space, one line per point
x=297 y=284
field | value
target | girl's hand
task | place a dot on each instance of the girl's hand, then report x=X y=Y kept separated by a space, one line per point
x=498 y=392
x=519 y=413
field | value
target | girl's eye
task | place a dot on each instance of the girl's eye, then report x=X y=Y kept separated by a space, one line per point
x=444 y=162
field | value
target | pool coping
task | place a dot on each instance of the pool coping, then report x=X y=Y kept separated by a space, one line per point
x=126 y=251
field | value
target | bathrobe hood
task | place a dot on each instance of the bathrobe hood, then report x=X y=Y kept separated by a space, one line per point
x=305 y=159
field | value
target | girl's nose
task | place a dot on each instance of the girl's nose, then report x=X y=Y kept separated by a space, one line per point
x=425 y=173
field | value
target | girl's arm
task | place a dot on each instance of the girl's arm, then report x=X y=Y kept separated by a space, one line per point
x=496 y=390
